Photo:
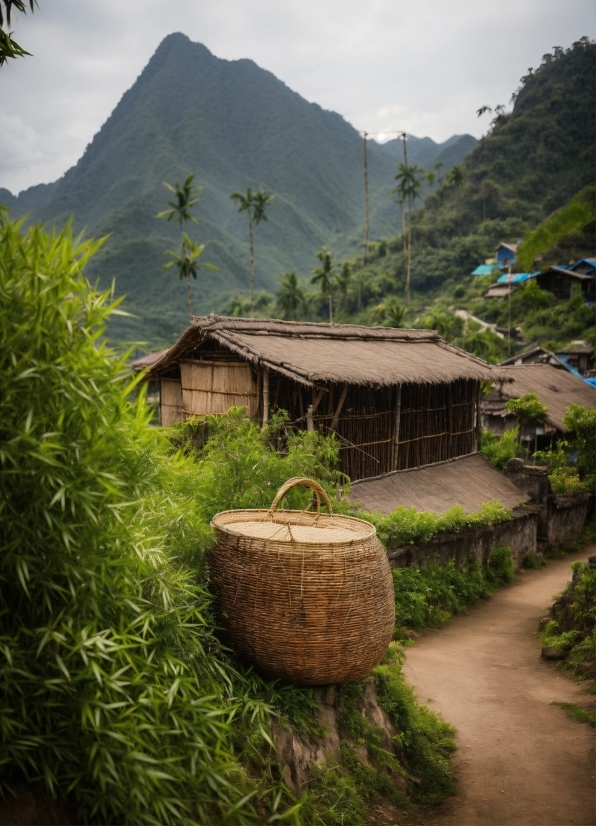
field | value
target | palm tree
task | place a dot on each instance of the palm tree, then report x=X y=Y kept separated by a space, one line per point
x=290 y=296
x=455 y=177
x=409 y=183
x=324 y=276
x=184 y=259
x=253 y=203
x=389 y=312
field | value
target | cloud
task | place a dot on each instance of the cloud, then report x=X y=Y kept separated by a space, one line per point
x=424 y=67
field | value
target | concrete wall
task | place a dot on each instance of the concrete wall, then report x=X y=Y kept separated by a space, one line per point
x=519 y=534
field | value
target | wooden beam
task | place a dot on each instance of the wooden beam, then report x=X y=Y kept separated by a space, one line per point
x=317 y=398
x=265 y=396
x=340 y=404
x=478 y=416
x=395 y=450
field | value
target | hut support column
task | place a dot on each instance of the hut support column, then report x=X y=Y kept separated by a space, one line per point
x=395 y=450
x=265 y=396
x=478 y=417
x=337 y=413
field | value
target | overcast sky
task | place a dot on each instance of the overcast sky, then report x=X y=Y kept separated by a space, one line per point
x=423 y=66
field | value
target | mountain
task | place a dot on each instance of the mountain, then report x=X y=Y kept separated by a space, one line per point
x=426 y=153
x=235 y=125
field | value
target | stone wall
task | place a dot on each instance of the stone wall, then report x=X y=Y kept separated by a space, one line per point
x=560 y=519
x=519 y=534
x=566 y=519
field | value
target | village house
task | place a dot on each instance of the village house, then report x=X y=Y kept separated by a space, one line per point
x=577 y=358
x=396 y=399
x=556 y=388
x=563 y=283
x=403 y=404
x=505 y=255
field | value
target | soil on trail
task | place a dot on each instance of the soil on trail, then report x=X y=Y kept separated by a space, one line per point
x=521 y=761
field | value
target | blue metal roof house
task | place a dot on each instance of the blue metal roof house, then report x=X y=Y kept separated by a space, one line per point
x=506 y=255
x=585 y=266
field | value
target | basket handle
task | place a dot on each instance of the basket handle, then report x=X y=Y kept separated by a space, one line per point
x=301 y=480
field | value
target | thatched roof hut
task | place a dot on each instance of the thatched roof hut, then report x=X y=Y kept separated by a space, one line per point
x=311 y=353
x=555 y=388
x=395 y=398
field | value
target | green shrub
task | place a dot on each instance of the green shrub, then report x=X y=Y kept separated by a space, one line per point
x=113 y=689
x=581 y=423
x=566 y=482
x=407 y=525
x=499 y=451
x=429 y=596
x=241 y=465
x=573 y=624
x=528 y=409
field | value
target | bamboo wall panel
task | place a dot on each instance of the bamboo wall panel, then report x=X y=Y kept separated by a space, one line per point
x=170 y=402
x=436 y=422
x=213 y=387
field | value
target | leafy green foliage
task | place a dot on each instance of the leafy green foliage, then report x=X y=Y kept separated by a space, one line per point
x=581 y=423
x=528 y=409
x=241 y=465
x=111 y=686
x=573 y=624
x=407 y=525
x=344 y=792
x=429 y=596
x=499 y=451
x=9 y=48
x=574 y=219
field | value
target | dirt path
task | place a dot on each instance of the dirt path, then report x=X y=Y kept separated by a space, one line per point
x=521 y=761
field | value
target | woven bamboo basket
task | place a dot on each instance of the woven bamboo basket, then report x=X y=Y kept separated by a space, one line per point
x=305 y=597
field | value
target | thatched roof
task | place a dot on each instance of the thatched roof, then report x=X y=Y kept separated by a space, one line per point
x=311 y=353
x=146 y=361
x=555 y=388
x=469 y=481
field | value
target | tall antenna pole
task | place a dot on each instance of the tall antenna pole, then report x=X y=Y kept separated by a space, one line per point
x=366 y=207
x=509 y=309
x=366 y=220
x=409 y=269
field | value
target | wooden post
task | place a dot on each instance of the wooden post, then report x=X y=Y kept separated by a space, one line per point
x=478 y=417
x=450 y=420
x=396 y=429
x=366 y=206
x=340 y=404
x=265 y=396
x=309 y=420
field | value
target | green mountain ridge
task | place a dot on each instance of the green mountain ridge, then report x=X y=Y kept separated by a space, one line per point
x=235 y=125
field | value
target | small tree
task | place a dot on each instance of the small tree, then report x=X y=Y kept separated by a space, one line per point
x=185 y=259
x=580 y=421
x=253 y=203
x=324 y=276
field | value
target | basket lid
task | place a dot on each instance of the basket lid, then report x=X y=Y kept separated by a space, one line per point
x=293 y=526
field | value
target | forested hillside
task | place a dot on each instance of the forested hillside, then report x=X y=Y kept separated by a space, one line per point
x=236 y=126
x=527 y=172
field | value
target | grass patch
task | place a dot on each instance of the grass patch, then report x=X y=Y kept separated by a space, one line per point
x=581 y=715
